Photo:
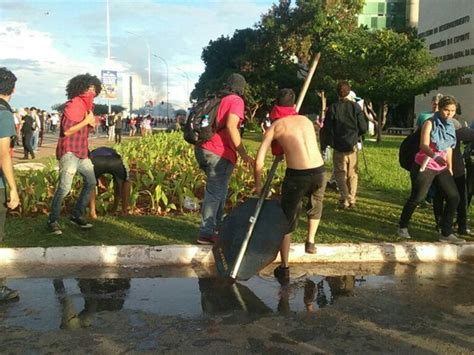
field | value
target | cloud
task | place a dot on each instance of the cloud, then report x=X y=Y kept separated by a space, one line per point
x=38 y=65
x=49 y=41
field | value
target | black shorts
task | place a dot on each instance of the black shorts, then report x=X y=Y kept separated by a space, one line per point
x=299 y=184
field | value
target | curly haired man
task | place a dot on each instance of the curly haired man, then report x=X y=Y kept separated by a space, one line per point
x=72 y=150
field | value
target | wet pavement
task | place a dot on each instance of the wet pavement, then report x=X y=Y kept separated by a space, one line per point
x=425 y=308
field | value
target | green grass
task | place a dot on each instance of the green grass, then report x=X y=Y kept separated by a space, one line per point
x=383 y=188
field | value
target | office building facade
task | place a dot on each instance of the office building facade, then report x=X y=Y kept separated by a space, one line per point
x=447 y=28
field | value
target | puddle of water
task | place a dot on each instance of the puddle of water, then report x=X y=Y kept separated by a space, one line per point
x=46 y=304
x=49 y=303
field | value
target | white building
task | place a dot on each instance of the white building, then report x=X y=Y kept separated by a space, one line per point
x=136 y=91
x=447 y=26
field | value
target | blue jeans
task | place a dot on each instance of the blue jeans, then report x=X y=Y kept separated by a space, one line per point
x=68 y=166
x=34 y=140
x=218 y=171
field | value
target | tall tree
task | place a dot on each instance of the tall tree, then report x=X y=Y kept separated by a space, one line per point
x=384 y=66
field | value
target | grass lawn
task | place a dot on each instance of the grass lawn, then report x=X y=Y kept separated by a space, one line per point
x=383 y=188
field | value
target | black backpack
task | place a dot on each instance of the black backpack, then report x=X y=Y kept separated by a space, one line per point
x=408 y=149
x=201 y=123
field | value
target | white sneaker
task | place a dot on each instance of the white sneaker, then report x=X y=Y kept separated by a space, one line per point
x=452 y=238
x=403 y=233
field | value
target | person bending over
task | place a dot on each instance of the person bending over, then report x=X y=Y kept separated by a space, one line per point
x=107 y=161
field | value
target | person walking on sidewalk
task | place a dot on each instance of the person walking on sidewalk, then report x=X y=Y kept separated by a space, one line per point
x=7 y=133
x=433 y=163
x=344 y=124
x=72 y=149
x=217 y=157
x=27 y=136
x=304 y=176
x=118 y=128
x=36 y=128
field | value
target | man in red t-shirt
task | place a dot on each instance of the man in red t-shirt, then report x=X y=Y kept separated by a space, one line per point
x=72 y=150
x=217 y=157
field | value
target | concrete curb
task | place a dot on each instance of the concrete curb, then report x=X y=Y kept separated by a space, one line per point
x=143 y=255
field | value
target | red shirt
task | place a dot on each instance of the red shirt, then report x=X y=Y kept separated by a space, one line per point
x=74 y=112
x=220 y=144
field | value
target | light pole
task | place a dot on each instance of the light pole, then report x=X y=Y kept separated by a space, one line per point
x=167 y=84
x=108 y=48
x=187 y=82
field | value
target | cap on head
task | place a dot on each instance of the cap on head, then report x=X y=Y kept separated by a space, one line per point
x=236 y=83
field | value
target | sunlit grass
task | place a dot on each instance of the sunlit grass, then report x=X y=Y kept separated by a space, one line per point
x=383 y=188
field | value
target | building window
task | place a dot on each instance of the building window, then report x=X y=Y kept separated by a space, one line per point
x=373 y=22
x=381 y=8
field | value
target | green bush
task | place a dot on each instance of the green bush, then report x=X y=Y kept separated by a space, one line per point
x=163 y=172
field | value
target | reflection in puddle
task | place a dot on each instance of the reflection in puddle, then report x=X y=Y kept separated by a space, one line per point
x=47 y=304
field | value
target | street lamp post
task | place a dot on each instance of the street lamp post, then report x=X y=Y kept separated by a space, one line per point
x=167 y=84
x=187 y=82
x=108 y=48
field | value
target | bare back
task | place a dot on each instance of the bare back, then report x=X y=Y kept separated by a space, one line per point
x=297 y=137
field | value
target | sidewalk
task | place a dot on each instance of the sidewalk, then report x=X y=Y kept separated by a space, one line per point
x=48 y=149
x=196 y=255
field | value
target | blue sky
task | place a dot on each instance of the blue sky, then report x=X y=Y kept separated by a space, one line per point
x=47 y=42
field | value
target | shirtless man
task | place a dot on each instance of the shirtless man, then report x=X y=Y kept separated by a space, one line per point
x=304 y=176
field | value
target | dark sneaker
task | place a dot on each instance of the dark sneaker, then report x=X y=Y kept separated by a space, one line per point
x=352 y=206
x=54 y=228
x=282 y=274
x=309 y=248
x=81 y=222
x=207 y=240
x=342 y=205
x=7 y=294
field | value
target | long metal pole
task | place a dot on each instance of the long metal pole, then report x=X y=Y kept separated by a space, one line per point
x=266 y=186
x=167 y=91
x=167 y=83
x=108 y=47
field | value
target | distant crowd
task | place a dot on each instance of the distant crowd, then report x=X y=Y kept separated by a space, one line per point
x=32 y=123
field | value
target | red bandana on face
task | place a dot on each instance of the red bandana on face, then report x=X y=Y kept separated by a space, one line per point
x=277 y=113
x=88 y=98
x=282 y=111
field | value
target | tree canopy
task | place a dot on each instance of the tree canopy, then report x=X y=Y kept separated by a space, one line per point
x=382 y=65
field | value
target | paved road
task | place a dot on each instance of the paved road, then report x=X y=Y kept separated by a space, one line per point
x=48 y=149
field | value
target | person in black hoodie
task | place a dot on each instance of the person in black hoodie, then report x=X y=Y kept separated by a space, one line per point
x=27 y=137
x=344 y=124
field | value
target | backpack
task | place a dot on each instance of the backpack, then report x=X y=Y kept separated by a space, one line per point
x=408 y=149
x=201 y=123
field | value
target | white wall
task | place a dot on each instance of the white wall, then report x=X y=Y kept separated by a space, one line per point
x=432 y=15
